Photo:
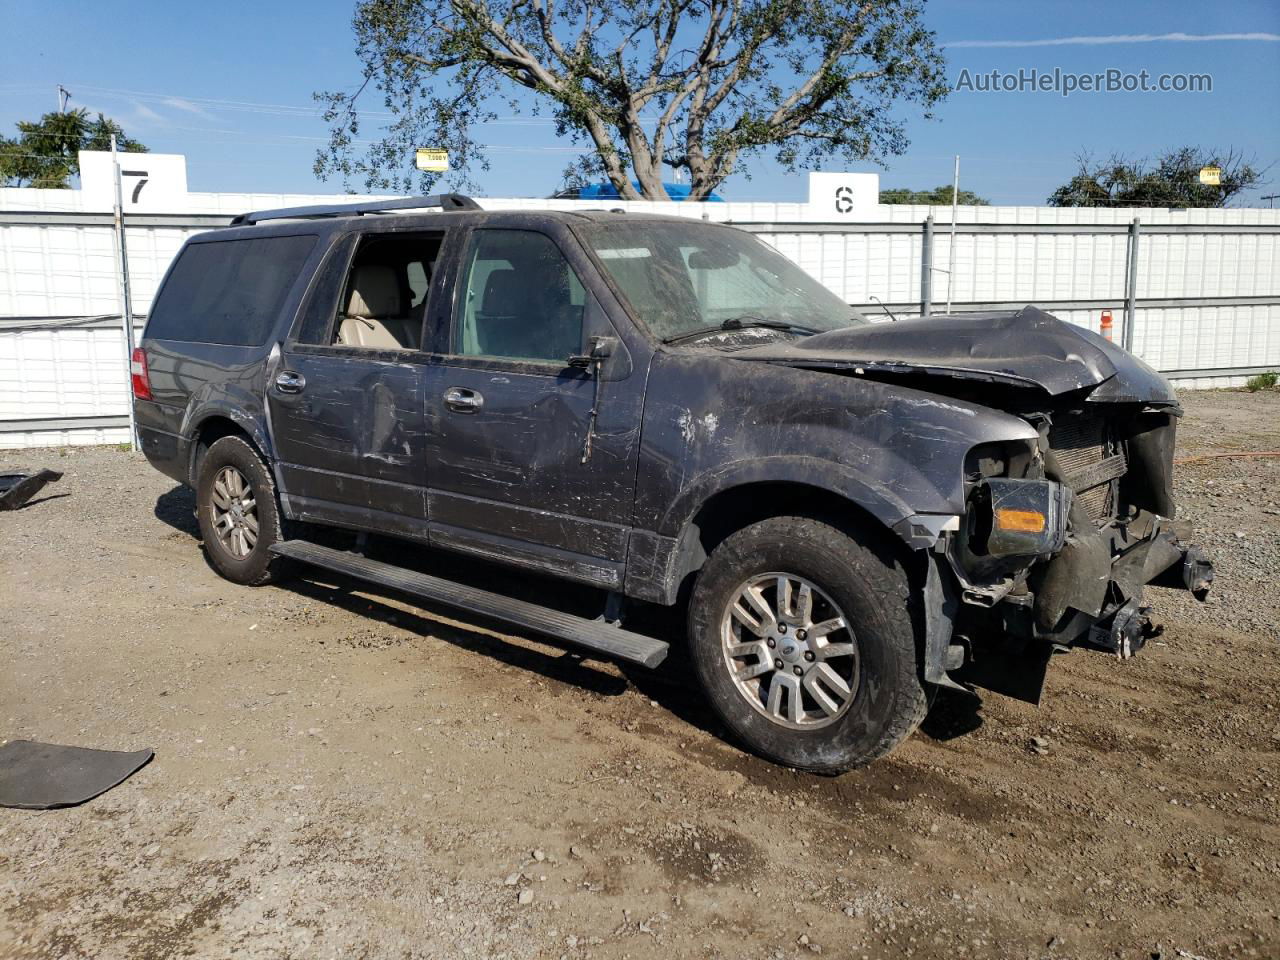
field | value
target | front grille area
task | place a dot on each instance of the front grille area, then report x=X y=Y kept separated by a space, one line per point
x=1091 y=460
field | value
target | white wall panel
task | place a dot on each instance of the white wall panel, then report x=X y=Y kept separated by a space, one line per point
x=60 y=270
x=62 y=372
x=93 y=436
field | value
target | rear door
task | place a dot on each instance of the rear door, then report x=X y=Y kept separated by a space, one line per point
x=346 y=392
x=519 y=468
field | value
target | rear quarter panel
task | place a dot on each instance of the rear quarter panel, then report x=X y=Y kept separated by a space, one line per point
x=192 y=381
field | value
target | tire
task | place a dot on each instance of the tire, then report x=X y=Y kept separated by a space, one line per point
x=874 y=653
x=241 y=555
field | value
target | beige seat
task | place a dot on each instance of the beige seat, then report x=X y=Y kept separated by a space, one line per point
x=374 y=316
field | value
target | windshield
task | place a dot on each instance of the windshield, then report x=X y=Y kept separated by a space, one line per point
x=687 y=277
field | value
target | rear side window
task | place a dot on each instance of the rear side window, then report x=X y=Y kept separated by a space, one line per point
x=228 y=291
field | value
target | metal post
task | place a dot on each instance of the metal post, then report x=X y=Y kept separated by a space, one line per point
x=951 y=258
x=1131 y=286
x=126 y=299
x=926 y=268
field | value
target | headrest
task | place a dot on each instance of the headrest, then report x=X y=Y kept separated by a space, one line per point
x=503 y=295
x=375 y=292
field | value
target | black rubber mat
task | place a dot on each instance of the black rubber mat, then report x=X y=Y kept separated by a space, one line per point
x=17 y=488
x=40 y=776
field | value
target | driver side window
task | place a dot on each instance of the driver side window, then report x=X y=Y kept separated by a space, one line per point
x=521 y=300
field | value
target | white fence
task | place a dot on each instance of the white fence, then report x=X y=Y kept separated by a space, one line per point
x=1204 y=297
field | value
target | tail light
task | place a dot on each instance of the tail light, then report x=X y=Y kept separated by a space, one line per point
x=138 y=375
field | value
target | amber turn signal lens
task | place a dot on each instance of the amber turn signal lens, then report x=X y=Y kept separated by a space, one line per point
x=1022 y=521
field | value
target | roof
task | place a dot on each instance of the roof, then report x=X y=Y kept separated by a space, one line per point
x=444 y=202
x=418 y=210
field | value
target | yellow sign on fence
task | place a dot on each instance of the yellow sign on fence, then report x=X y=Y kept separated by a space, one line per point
x=432 y=159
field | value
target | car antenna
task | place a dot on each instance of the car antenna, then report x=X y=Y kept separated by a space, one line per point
x=883 y=307
x=594 y=361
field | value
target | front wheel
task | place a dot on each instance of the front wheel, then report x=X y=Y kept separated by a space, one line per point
x=803 y=640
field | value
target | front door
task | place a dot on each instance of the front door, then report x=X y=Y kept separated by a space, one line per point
x=519 y=469
x=346 y=395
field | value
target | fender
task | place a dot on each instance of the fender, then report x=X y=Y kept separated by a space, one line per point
x=877 y=500
x=893 y=450
x=657 y=561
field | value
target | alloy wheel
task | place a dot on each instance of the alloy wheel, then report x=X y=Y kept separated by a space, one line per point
x=235 y=512
x=790 y=650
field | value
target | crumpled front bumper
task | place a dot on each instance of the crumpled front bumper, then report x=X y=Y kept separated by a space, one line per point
x=1096 y=574
x=1193 y=571
x=1124 y=625
x=1090 y=595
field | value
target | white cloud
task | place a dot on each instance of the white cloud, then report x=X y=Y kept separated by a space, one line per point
x=1120 y=38
x=137 y=116
x=143 y=112
x=178 y=103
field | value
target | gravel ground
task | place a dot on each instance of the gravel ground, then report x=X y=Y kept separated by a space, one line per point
x=339 y=774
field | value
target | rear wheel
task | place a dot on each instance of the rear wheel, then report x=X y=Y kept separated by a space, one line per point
x=803 y=640
x=237 y=512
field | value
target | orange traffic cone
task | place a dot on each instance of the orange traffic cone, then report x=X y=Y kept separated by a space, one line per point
x=1105 y=327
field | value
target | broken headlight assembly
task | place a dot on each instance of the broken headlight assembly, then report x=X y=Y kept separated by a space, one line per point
x=1011 y=511
x=1017 y=518
x=1013 y=519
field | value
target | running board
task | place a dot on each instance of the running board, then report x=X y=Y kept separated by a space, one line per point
x=611 y=642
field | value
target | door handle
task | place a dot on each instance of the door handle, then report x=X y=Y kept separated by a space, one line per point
x=289 y=382
x=462 y=400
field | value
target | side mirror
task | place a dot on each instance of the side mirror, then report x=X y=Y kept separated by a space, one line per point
x=601 y=350
x=606 y=357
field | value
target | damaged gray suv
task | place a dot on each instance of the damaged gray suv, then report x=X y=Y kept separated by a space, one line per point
x=849 y=515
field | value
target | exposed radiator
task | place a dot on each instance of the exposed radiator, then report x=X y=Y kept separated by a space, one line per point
x=1091 y=460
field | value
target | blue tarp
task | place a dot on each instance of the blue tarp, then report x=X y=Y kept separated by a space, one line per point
x=607 y=191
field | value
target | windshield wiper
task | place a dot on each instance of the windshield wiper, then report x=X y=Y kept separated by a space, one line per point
x=739 y=323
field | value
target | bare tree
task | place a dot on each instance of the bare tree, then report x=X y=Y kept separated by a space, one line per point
x=697 y=85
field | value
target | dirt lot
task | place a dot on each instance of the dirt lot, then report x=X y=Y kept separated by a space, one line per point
x=339 y=774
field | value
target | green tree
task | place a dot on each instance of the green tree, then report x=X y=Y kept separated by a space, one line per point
x=698 y=85
x=1170 y=180
x=938 y=196
x=45 y=153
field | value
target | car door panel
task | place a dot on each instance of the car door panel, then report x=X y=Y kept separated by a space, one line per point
x=513 y=477
x=350 y=422
x=353 y=441
x=515 y=467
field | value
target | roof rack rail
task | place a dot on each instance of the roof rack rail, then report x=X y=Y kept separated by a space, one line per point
x=445 y=201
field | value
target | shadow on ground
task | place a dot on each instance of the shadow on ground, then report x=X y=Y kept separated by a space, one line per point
x=672 y=685
x=952 y=715
x=39 y=500
x=177 y=508
x=566 y=667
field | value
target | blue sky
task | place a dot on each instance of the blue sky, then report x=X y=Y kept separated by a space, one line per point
x=229 y=85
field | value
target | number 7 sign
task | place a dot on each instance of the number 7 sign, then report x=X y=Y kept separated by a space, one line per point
x=137 y=188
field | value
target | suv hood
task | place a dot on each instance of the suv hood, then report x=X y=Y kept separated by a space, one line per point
x=1020 y=348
